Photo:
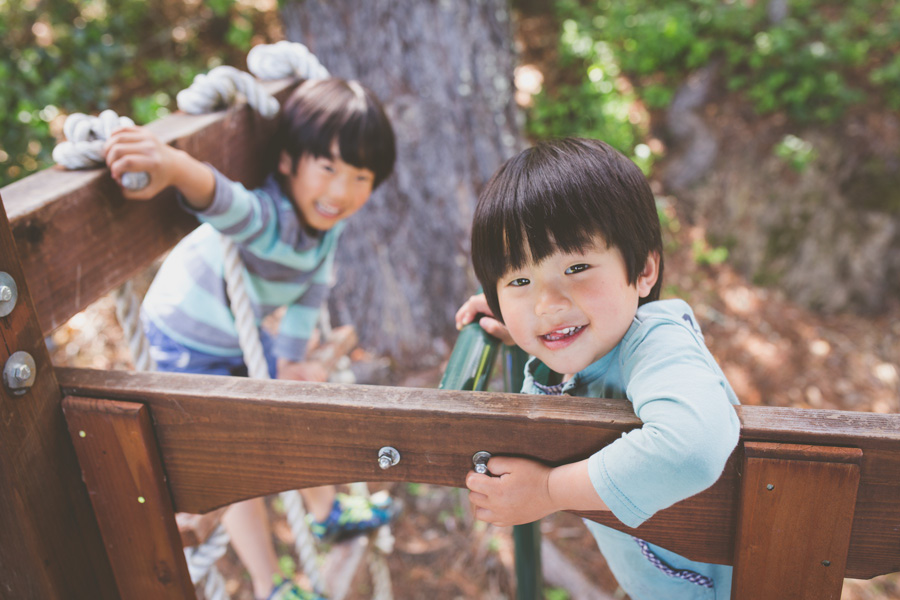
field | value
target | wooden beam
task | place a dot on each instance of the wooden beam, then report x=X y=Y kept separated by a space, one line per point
x=796 y=512
x=78 y=238
x=50 y=546
x=124 y=476
x=224 y=439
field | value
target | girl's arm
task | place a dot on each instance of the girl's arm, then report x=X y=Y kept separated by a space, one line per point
x=134 y=149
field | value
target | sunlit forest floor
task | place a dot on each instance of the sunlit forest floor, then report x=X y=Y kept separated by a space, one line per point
x=773 y=352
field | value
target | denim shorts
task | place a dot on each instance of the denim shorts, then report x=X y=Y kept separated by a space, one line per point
x=173 y=357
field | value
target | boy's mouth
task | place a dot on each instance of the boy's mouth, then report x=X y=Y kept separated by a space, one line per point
x=563 y=333
x=327 y=210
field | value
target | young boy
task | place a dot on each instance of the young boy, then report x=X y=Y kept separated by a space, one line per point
x=336 y=145
x=566 y=243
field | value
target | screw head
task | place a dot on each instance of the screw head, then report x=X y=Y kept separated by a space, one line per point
x=19 y=372
x=388 y=457
x=770 y=487
x=22 y=373
x=827 y=563
x=9 y=293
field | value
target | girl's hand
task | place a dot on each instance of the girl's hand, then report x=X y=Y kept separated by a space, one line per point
x=478 y=304
x=517 y=493
x=302 y=371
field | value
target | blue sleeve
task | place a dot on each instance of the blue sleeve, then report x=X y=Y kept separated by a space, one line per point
x=690 y=426
x=249 y=218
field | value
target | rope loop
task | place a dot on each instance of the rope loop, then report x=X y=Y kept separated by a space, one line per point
x=83 y=148
x=284 y=59
x=220 y=87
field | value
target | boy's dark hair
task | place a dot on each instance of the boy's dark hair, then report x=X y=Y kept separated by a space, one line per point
x=558 y=196
x=321 y=111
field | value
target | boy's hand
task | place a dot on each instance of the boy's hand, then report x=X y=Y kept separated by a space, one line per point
x=136 y=149
x=478 y=304
x=302 y=371
x=517 y=493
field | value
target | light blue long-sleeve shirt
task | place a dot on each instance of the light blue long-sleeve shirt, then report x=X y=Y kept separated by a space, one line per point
x=690 y=428
x=284 y=265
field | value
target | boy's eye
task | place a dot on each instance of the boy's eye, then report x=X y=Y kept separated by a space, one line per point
x=519 y=282
x=577 y=268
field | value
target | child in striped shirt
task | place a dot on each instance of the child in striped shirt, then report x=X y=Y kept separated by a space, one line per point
x=335 y=146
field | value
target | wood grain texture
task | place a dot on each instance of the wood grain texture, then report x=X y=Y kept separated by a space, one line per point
x=796 y=513
x=224 y=439
x=124 y=475
x=49 y=541
x=78 y=238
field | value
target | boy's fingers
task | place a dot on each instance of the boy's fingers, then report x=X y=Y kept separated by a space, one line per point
x=478 y=482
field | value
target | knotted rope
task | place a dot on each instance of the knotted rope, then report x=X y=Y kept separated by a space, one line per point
x=284 y=59
x=83 y=148
x=220 y=88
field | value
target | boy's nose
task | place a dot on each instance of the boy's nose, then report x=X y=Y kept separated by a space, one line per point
x=550 y=301
x=338 y=188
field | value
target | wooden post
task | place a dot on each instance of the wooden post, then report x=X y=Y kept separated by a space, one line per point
x=796 y=514
x=124 y=475
x=50 y=546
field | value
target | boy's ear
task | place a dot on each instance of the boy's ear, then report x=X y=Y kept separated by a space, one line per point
x=647 y=278
x=286 y=164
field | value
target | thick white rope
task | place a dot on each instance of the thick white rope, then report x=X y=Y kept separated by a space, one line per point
x=382 y=544
x=128 y=311
x=83 y=148
x=284 y=59
x=258 y=368
x=201 y=562
x=220 y=88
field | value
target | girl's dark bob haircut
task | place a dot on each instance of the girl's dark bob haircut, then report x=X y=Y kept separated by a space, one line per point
x=559 y=196
x=322 y=111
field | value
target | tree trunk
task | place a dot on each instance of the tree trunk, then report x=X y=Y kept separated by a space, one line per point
x=444 y=71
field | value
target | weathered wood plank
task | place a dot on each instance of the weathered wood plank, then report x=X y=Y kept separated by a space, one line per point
x=796 y=512
x=78 y=238
x=49 y=541
x=224 y=439
x=124 y=475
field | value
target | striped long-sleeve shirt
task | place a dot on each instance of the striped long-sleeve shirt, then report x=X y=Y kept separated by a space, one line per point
x=283 y=266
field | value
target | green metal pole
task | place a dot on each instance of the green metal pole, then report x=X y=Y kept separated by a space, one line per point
x=469 y=368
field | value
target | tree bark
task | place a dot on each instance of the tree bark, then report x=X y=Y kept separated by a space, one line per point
x=444 y=71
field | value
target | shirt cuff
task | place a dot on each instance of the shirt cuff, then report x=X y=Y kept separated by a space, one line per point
x=611 y=494
x=222 y=197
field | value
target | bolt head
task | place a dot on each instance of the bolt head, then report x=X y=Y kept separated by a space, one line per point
x=481 y=468
x=384 y=462
x=22 y=373
x=5 y=293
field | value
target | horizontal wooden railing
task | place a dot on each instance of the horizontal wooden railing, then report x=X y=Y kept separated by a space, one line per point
x=225 y=439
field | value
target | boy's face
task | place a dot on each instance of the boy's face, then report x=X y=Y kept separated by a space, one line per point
x=325 y=190
x=572 y=309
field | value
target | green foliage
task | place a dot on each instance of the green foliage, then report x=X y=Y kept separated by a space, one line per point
x=796 y=152
x=556 y=594
x=706 y=255
x=63 y=56
x=826 y=57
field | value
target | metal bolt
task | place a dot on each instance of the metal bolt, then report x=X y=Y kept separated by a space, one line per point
x=770 y=487
x=8 y=294
x=388 y=457
x=22 y=373
x=827 y=563
x=19 y=372
x=480 y=461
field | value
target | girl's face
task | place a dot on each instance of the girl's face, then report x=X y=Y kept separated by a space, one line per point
x=326 y=190
x=571 y=309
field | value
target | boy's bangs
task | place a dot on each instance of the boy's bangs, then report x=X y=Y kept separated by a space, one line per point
x=546 y=219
